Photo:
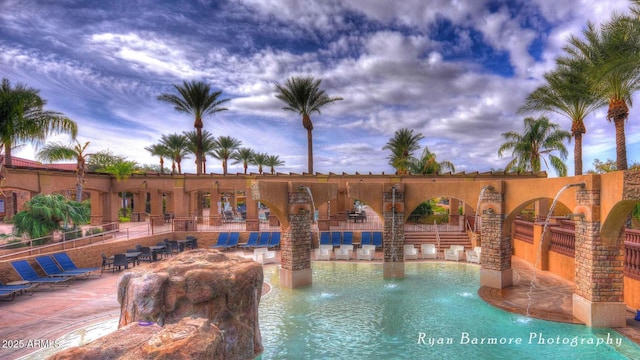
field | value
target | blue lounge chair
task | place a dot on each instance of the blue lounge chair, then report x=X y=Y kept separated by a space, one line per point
x=377 y=238
x=66 y=264
x=27 y=273
x=52 y=270
x=20 y=288
x=325 y=238
x=347 y=238
x=366 y=238
x=233 y=240
x=252 y=241
x=8 y=294
x=274 y=242
x=336 y=238
x=263 y=240
x=223 y=238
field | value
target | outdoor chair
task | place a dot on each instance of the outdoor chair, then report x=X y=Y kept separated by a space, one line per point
x=474 y=255
x=343 y=252
x=252 y=241
x=263 y=239
x=336 y=238
x=19 y=288
x=347 y=238
x=410 y=252
x=52 y=270
x=324 y=252
x=106 y=262
x=429 y=251
x=325 y=238
x=264 y=256
x=223 y=237
x=274 y=241
x=366 y=252
x=145 y=254
x=377 y=239
x=67 y=264
x=365 y=238
x=454 y=253
x=27 y=273
x=119 y=261
x=234 y=237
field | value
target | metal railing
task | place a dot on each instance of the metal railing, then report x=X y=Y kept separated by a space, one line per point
x=60 y=241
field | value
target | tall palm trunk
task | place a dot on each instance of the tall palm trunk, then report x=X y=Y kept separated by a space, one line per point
x=577 y=154
x=618 y=113
x=306 y=122
x=577 y=129
x=7 y=152
x=199 y=148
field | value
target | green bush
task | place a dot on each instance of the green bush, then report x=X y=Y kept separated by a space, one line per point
x=14 y=243
x=93 y=231
x=72 y=233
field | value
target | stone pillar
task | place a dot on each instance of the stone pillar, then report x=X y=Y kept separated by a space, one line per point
x=295 y=244
x=599 y=299
x=495 y=271
x=393 y=236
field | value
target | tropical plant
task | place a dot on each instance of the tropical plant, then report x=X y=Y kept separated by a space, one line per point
x=259 y=159
x=208 y=145
x=23 y=118
x=540 y=139
x=44 y=214
x=428 y=164
x=195 y=98
x=402 y=145
x=58 y=151
x=611 y=54
x=303 y=95
x=103 y=159
x=272 y=161
x=244 y=156
x=161 y=151
x=177 y=148
x=223 y=147
x=567 y=92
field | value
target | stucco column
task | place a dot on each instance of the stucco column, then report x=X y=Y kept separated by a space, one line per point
x=111 y=204
x=295 y=242
x=599 y=299
x=96 y=208
x=139 y=200
x=393 y=237
x=180 y=199
x=495 y=271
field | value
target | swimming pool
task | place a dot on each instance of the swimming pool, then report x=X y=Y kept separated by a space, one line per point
x=350 y=312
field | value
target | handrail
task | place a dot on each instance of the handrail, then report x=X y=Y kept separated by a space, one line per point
x=437 y=237
x=65 y=243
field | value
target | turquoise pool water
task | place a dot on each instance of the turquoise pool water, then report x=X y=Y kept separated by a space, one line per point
x=350 y=312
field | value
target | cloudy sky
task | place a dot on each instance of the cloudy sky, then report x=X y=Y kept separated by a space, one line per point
x=454 y=70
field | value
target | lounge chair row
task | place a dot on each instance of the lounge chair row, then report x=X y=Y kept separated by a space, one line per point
x=453 y=253
x=256 y=239
x=337 y=238
x=345 y=252
x=59 y=269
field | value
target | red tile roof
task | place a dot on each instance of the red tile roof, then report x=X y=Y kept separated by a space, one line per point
x=20 y=162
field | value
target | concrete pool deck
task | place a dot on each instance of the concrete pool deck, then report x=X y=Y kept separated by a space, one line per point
x=40 y=319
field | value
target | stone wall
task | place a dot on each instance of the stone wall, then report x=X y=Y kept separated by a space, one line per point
x=295 y=243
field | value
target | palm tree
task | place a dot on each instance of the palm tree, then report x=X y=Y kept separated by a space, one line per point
x=58 y=151
x=567 y=92
x=427 y=164
x=540 y=138
x=178 y=148
x=403 y=144
x=197 y=100
x=303 y=96
x=223 y=147
x=259 y=159
x=159 y=150
x=208 y=145
x=272 y=161
x=23 y=119
x=103 y=159
x=611 y=54
x=244 y=156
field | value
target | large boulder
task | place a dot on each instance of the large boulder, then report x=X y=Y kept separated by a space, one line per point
x=202 y=304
